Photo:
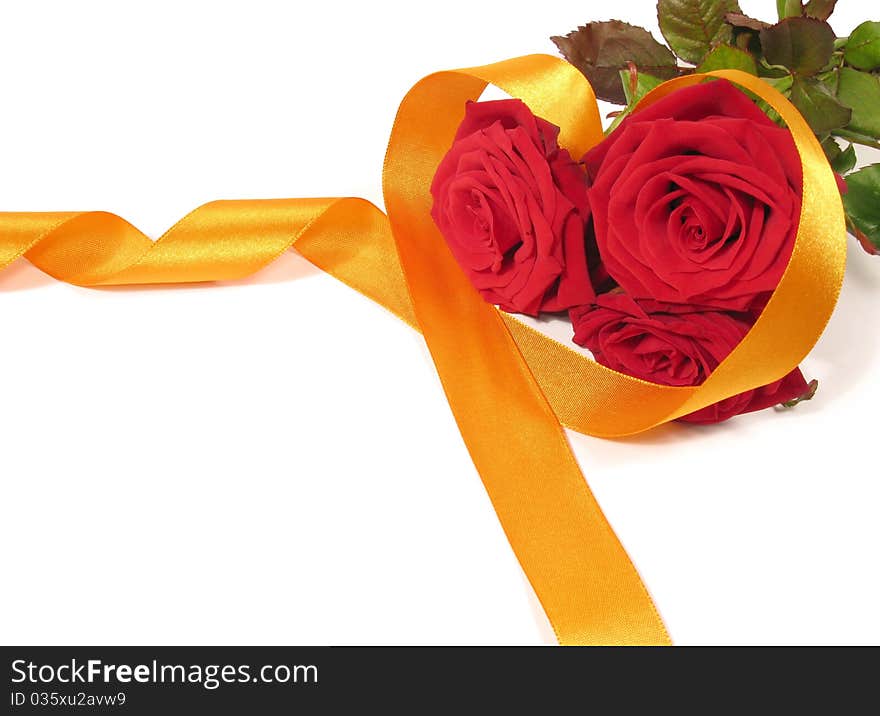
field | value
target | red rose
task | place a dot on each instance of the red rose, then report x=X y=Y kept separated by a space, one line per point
x=673 y=344
x=696 y=199
x=512 y=206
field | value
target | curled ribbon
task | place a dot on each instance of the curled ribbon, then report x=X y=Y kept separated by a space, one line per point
x=510 y=388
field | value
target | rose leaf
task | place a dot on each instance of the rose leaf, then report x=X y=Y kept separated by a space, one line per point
x=820 y=9
x=801 y=44
x=863 y=46
x=636 y=85
x=819 y=107
x=841 y=160
x=600 y=50
x=861 y=91
x=693 y=27
x=726 y=57
x=862 y=204
x=783 y=85
x=737 y=19
x=846 y=162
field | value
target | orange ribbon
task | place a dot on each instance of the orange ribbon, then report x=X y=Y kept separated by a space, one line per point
x=510 y=387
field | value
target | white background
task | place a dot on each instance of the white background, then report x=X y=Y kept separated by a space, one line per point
x=273 y=461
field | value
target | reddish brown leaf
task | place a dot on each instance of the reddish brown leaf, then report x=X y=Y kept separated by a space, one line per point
x=601 y=49
x=744 y=21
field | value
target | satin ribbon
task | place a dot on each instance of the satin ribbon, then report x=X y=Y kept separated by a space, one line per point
x=510 y=387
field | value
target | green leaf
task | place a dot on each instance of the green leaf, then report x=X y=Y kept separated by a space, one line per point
x=862 y=204
x=818 y=106
x=635 y=90
x=635 y=85
x=830 y=79
x=725 y=57
x=863 y=47
x=600 y=50
x=801 y=44
x=783 y=85
x=693 y=27
x=861 y=92
x=846 y=162
x=842 y=160
x=820 y=9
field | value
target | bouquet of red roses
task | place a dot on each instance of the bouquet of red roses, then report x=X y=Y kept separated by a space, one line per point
x=663 y=243
x=697 y=248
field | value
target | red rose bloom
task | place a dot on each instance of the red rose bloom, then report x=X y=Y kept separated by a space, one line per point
x=512 y=206
x=674 y=345
x=696 y=199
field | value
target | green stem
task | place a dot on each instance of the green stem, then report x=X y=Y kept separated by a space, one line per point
x=856 y=138
x=788 y=8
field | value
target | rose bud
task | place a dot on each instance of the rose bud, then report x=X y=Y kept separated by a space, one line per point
x=674 y=344
x=696 y=199
x=512 y=206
